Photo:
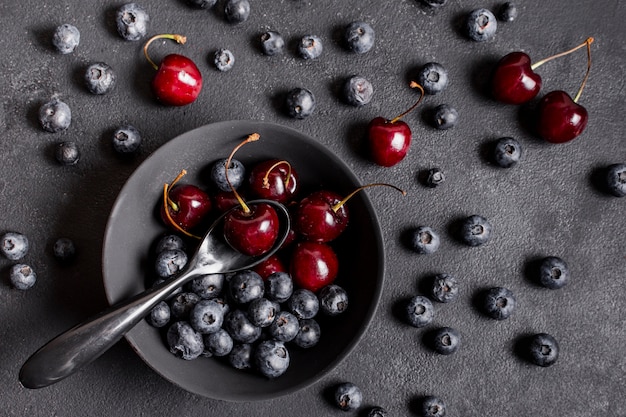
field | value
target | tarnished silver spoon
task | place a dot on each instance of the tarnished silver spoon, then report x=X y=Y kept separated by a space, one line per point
x=83 y=343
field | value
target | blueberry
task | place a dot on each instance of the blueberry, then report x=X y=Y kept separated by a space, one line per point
x=206 y=316
x=433 y=77
x=240 y=356
x=333 y=300
x=308 y=335
x=132 y=21
x=236 y=174
x=615 y=179
x=218 y=343
x=202 y=4
x=271 y=358
x=159 y=315
x=359 y=37
x=285 y=327
x=553 y=272
x=303 y=304
x=348 y=396
x=444 y=117
x=224 y=60
x=262 y=312
x=377 y=412
x=169 y=262
x=507 y=152
x=99 y=78
x=445 y=288
x=182 y=304
x=208 y=286
x=22 y=276
x=310 y=47
x=475 y=230
x=446 y=340
x=272 y=43
x=434 y=177
x=435 y=3
x=126 y=139
x=498 y=303
x=63 y=249
x=67 y=153
x=419 y=311
x=246 y=286
x=239 y=327
x=237 y=11
x=184 y=342
x=66 y=38
x=507 y=12
x=279 y=287
x=14 y=245
x=357 y=91
x=432 y=406
x=170 y=242
x=300 y=103
x=481 y=25
x=424 y=240
x=543 y=349
x=55 y=116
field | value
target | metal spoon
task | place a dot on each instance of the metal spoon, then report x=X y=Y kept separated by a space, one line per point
x=83 y=343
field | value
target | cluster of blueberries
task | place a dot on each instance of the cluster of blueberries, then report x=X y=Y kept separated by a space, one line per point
x=241 y=317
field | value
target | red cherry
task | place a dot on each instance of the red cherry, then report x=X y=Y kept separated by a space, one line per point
x=313 y=265
x=514 y=81
x=274 y=180
x=389 y=140
x=252 y=232
x=184 y=206
x=316 y=218
x=560 y=118
x=224 y=201
x=269 y=266
x=178 y=80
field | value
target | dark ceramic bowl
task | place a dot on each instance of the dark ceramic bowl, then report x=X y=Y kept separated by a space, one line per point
x=133 y=227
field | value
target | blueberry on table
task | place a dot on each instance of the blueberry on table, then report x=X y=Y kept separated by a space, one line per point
x=285 y=327
x=444 y=117
x=303 y=303
x=206 y=316
x=22 y=276
x=434 y=177
x=240 y=356
x=498 y=303
x=300 y=103
x=481 y=25
x=237 y=11
x=271 y=358
x=132 y=21
x=310 y=47
x=508 y=12
x=308 y=335
x=160 y=315
x=236 y=174
x=272 y=43
x=169 y=262
x=126 y=139
x=66 y=38
x=446 y=340
x=262 y=312
x=239 y=327
x=359 y=37
x=424 y=240
x=14 y=245
x=419 y=311
x=67 y=153
x=224 y=60
x=433 y=77
x=507 y=152
x=218 y=343
x=543 y=349
x=333 y=300
x=99 y=78
x=377 y=412
x=246 y=286
x=63 y=249
x=183 y=341
x=432 y=406
x=348 y=396
x=553 y=272
x=357 y=91
x=279 y=286
x=445 y=288
x=475 y=230
x=55 y=116
x=208 y=286
x=616 y=179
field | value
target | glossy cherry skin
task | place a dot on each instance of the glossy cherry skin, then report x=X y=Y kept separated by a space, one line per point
x=388 y=142
x=269 y=266
x=560 y=118
x=276 y=187
x=252 y=233
x=313 y=265
x=514 y=81
x=192 y=206
x=225 y=200
x=178 y=81
x=316 y=221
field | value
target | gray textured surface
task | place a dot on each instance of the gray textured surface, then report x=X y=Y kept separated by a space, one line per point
x=548 y=205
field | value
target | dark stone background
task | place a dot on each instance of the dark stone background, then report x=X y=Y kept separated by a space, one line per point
x=550 y=204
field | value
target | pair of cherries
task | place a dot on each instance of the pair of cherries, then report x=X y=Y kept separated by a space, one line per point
x=560 y=118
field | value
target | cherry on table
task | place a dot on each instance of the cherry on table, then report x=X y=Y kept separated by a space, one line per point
x=184 y=206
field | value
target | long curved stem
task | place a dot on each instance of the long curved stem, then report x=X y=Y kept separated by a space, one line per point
x=178 y=38
x=582 y=86
x=537 y=64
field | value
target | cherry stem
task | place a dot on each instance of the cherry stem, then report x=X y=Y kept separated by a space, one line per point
x=178 y=38
x=413 y=84
x=340 y=204
x=582 y=85
x=266 y=181
x=537 y=64
x=252 y=138
x=167 y=203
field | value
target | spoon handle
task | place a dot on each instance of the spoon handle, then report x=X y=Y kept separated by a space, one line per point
x=83 y=343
